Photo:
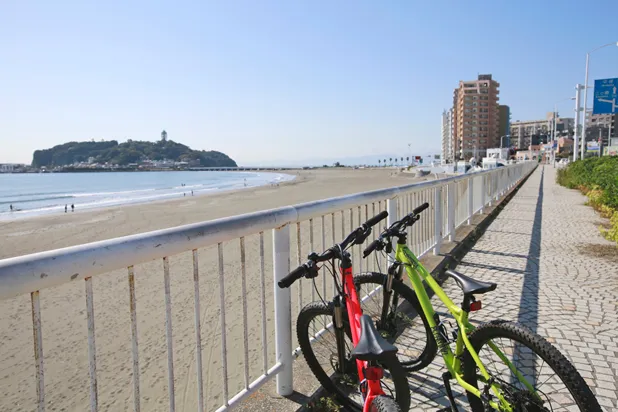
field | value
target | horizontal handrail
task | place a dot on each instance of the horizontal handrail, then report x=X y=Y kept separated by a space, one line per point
x=37 y=271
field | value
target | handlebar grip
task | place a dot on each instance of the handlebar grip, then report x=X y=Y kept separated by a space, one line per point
x=377 y=218
x=420 y=208
x=369 y=249
x=292 y=277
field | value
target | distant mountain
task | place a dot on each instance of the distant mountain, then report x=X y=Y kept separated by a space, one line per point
x=131 y=151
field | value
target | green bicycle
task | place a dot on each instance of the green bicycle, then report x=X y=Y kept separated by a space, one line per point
x=529 y=375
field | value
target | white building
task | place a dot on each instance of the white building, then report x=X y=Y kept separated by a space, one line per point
x=447 y=136
x=10 y=167
x=498 y=153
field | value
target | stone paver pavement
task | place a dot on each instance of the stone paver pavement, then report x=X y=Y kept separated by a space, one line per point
x=536 y=251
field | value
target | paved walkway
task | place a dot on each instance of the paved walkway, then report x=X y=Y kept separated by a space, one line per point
x=544 y=250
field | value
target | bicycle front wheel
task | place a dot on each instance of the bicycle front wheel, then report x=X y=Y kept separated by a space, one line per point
x=547 y=381
x=318 y=342
x=384 y=404
x=403 y=323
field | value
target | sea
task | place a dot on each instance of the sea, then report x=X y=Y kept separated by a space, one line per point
x=35 y=194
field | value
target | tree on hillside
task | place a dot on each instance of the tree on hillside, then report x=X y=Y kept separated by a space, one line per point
x=131 y=151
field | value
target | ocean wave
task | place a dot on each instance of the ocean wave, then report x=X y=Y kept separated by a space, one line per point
x=39 y=202
x=39 y=199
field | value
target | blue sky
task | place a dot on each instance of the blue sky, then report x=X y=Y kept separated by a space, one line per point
x=267 y=81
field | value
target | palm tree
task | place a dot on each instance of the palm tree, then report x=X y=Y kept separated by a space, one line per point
x=408 y=160
x=401 y=159
x=390 y=159
x=384 y=161
x=379 y=161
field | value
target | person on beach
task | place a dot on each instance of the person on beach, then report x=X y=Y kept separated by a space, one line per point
x=192 y=193
x=11 y=208
x=65 y=208
x=72 y=207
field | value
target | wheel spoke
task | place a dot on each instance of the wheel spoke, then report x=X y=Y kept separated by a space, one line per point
x=532 y=366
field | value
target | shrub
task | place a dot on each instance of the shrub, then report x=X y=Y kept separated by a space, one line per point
x=597 y=178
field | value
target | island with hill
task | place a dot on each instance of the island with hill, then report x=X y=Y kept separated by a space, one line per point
x=130 y=155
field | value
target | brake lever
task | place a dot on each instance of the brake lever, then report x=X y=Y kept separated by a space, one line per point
x=313 y=271
x=389 y=247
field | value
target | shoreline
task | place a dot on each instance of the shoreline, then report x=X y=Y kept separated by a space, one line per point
x=41 y=213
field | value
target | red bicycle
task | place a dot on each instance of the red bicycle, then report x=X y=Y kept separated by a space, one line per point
x=359 y=357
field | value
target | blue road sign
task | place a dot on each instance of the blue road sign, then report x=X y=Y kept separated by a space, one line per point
x=605 y=96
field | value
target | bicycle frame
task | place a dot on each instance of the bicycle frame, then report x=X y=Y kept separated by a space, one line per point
x=352 y=304
x=417 y=274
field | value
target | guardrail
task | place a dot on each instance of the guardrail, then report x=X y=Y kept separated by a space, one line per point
x=453 y=201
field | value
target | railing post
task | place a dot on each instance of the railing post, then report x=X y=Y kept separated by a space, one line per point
x=391 y=208
x=470 y=199
x=490 y=185
x=438 y=219
x=451 y=211
x=283 y=309
x=482 y=194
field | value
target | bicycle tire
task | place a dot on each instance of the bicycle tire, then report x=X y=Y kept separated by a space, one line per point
x=384 y=404
x=397 y=373
x=560 y=365
x=428 y=353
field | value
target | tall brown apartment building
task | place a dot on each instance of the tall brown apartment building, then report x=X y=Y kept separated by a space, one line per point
x=476 y=118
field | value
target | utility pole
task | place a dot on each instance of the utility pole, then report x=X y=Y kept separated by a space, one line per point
x=578 y=89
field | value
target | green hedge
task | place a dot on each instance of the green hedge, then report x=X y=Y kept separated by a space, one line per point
x=597 y=177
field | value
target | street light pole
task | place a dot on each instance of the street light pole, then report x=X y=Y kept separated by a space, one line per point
x=578 y=89
x=553 y=136
x=586 y=94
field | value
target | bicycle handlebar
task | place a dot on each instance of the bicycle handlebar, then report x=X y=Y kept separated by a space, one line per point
x=376 y=219
x=310 y=269
x=292 y=277
x=372 y=246
x=420 y=208
x=394 y=229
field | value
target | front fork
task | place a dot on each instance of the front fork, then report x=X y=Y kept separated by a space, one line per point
x=394 y=275
x=340 y=333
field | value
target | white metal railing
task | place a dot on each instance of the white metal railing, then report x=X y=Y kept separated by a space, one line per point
x=453 y=202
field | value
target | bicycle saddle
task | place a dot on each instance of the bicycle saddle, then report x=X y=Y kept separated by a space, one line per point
x=371 y=346
x=469 y=285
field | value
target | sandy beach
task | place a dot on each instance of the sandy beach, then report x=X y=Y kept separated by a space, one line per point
x=63 y=308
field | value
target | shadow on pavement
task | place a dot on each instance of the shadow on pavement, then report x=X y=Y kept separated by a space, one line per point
x=529 y=301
